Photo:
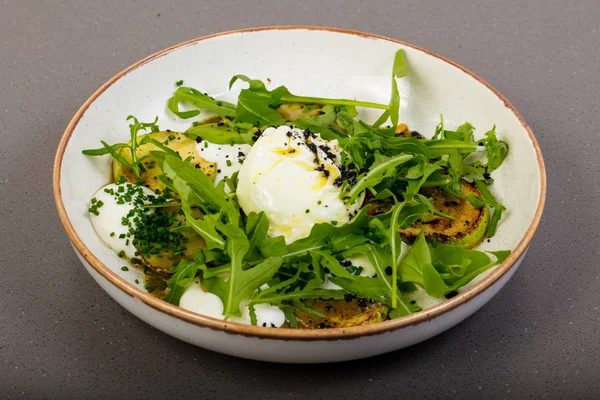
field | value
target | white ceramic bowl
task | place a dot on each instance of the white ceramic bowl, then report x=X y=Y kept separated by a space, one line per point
x=318 y=62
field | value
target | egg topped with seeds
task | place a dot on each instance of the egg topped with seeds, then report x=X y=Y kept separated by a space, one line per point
x=295 y=177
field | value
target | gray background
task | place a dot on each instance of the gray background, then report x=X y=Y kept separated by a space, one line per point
x=61 y=336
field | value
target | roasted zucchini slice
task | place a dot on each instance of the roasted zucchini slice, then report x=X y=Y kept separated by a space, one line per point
x=467 y=228
x=161 y=261
x=176 y=141
x=352 y=311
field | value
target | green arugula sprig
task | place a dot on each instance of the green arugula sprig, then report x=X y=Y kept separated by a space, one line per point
x=135 y=165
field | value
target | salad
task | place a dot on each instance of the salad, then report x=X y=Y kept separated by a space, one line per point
x=290 y=211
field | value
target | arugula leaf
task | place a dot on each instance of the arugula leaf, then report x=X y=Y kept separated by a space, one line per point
x=183 y=274
x=299 y=304
x=248 y=281
x=134 y=128
x=439 y=129
x=206 y=227
x=399 y=70
x=282 y=95
x=411 y=266
x=383 y=167
x=274 y=247
x=320 y=123
x=496 y=150
x=219 y=133
x=277 y=298
x=257 y=228
x=322 y=233
x=442 y=147
x=109 y=149
x=242 y=283
x=253 y=108
x=395 y=246
x=168 y=150
x=104 y=150
x=465 y=132
x=370 y=288
x=359 y=147
x=199 y=100
x=422 y=173
x=327 y=260
x=492 y=202
x=379 y=288
x=289 y=315
x=212 y=199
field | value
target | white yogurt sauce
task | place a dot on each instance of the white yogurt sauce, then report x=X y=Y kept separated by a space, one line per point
x=195 y=299
x=107 y=223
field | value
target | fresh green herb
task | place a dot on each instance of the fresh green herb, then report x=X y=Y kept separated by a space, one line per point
x=382 y=167
x=199 y=100
x=114 y=150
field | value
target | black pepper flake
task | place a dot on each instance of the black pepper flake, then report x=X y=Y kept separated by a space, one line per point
x=241 y=154
x=198 y=139
x=388 y=270
x=218 y=171
x=327 y=152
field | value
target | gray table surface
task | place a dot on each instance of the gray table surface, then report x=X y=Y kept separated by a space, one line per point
x=61 y=336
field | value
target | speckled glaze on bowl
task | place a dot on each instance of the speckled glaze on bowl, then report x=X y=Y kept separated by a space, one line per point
x=318 y=62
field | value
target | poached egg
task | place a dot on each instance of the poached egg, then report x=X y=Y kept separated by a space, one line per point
x=295 y=177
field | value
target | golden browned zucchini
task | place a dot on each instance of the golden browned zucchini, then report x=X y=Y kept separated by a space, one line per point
x=467 y=228
x=352 y=311
x=162 y=262
x=176 y=141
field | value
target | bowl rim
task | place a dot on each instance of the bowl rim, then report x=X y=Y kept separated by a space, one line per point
x=289 y=333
